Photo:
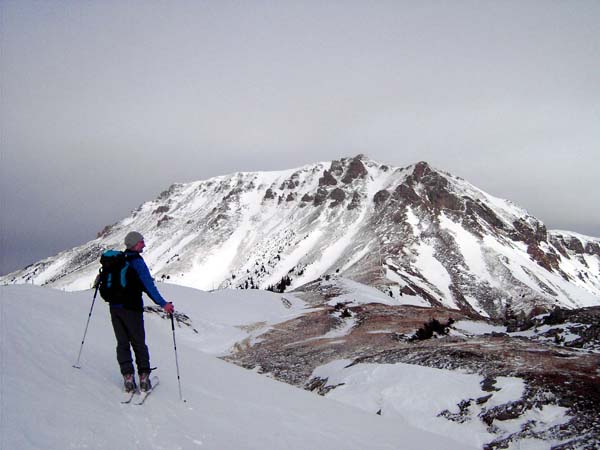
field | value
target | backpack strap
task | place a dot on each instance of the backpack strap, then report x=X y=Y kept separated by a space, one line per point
x=124 y=273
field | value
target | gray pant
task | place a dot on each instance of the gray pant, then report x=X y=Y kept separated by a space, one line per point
x=129 y=331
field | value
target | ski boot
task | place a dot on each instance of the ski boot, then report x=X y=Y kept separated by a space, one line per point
x=145 y=383
x=129 y=382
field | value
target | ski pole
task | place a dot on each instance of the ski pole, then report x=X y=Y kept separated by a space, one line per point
x=76 y=365
x=176 y=361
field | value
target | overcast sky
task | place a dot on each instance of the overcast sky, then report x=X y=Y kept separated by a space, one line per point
x=104 y=104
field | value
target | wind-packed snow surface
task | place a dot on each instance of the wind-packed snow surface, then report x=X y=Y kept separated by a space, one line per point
x=47 y=404
x=420 y=235
x=417 y=395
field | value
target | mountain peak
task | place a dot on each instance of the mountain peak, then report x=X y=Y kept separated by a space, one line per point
x=421 y=169
x=420 y=235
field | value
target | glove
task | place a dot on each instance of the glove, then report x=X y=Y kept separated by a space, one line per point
x=169 y=308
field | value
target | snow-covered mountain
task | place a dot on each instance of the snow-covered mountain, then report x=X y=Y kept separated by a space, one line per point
x=420 y=235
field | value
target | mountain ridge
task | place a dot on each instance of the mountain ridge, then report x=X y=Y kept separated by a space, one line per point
x=414 y=232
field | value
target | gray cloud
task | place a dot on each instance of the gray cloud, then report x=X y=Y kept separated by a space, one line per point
x=105 y=104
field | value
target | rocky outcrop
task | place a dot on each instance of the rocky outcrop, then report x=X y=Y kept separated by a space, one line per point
x=327 y=179
x=338 y=196
x=307 y=198
x=336 y=168
x=355 y=202
x=269 y=194
x=381 y=197
x=320 y=197
x=356 y=170
x=533 y=236
x=406 y=194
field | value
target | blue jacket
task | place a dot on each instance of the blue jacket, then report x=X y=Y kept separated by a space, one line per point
x=146 y=284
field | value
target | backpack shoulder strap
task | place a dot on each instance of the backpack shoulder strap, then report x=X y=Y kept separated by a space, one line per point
x=130 y=258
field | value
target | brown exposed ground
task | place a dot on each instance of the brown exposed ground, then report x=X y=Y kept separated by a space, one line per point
x=554 y=372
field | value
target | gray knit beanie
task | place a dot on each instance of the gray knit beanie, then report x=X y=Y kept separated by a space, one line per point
x=132 y=238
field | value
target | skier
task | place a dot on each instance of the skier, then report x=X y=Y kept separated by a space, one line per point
x=127 y=318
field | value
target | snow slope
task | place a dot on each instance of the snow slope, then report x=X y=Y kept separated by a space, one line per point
x=47 y=404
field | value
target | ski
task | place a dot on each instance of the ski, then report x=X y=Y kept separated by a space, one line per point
x=128 y=398
x=146 y=394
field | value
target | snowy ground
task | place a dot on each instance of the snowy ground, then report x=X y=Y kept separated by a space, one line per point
x=47 y=404
x=416 y=395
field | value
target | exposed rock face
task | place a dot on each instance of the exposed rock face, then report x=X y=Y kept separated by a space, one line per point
x=355 y=170
x=356 y=201
x=163 y=220
x=327 y=179
x=307 y=198
x=269 y=194
x=381 y=197
x=321 y=196
x=336 y=168
x=413 y=231
x=406 y=194
x=338 y=195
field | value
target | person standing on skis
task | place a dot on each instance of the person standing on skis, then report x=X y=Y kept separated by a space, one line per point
x=128 y=320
